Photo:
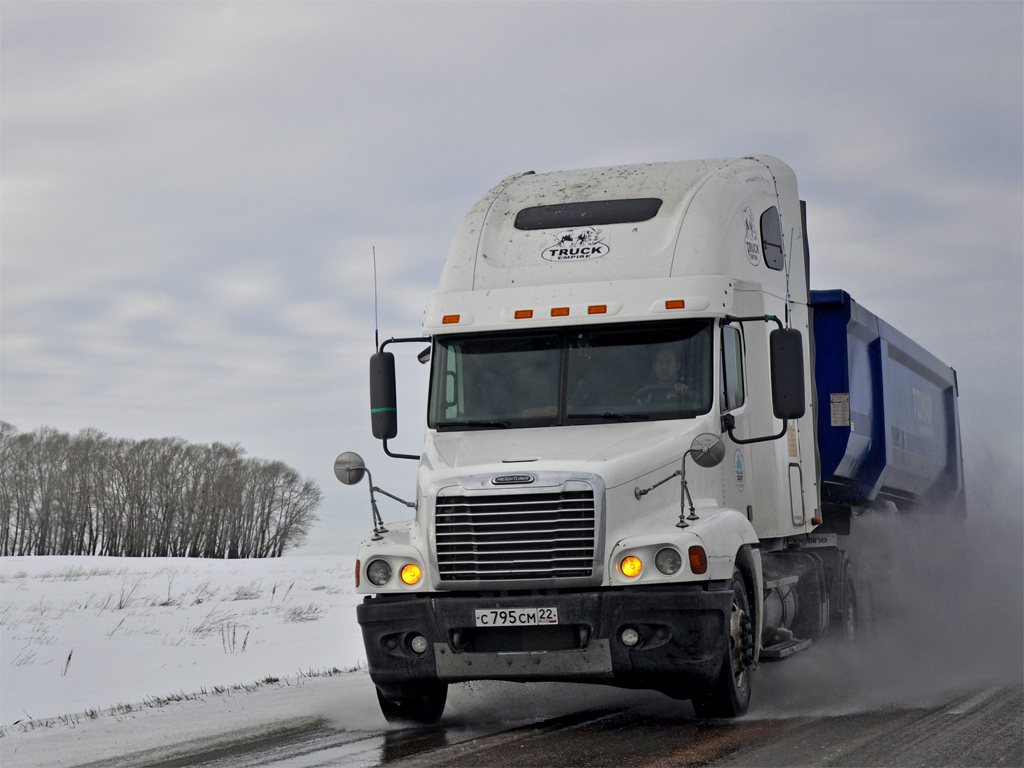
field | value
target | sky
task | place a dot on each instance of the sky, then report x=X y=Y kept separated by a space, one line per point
x=191 y=194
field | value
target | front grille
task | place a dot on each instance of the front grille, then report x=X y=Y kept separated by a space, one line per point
x=510 y=536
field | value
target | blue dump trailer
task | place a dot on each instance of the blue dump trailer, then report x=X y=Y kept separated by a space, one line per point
x=647 y=443
x=888 y=426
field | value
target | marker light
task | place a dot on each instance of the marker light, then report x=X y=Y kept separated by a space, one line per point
x=411 y=574
x=524 y=314
x=631 y=566
x=668 y=561
x=675 y=304
x=379 y=572
x=560 y=312
x=597 y=309
x=450 y=319
x=357 y=574
x=698 y=560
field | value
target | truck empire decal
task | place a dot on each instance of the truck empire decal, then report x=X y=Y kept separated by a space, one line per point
x=752 y=237
x=576 y=245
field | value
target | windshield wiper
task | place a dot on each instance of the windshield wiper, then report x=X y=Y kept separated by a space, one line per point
x=478 y=424
x=610 y=416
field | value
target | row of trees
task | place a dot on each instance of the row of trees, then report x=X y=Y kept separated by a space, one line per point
x=89 y=494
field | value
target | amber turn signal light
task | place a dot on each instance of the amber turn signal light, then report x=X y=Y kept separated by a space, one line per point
x=698 y=560
x=631 y=566
x=411 y=574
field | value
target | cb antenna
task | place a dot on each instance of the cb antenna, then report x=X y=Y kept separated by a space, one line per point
x=376 y=325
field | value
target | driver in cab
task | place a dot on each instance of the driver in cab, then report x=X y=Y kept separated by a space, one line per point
x=667 y=387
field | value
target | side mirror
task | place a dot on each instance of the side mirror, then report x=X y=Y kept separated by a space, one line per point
x=383 y=400
x=349 y=468
x=787 y=373
x=707 y=450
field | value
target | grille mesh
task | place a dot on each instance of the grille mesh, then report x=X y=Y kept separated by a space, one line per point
x=515 y=536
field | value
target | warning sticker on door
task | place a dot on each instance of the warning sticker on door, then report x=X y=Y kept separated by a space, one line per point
x=840 y=409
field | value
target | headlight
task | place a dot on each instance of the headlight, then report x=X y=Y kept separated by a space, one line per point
x=668 y=561
x=379 y=572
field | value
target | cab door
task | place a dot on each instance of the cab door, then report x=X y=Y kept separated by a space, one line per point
x=738 y=476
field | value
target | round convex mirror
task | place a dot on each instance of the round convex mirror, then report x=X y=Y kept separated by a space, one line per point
x=707 y=450
x=349 y=468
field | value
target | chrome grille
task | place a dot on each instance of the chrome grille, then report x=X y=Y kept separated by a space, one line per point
x=512 y=536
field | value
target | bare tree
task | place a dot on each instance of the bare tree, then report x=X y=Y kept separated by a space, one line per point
x=92 y=494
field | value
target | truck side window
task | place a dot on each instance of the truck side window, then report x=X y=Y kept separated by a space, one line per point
x=732 y=368
x=771 y=239
x=451 y=400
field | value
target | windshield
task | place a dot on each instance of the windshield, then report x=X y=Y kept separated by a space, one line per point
x=636 y=372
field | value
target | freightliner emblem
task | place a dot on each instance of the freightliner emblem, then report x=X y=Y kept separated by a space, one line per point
x=513 y=479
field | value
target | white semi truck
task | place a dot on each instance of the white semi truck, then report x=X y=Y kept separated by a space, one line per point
x=646 y=438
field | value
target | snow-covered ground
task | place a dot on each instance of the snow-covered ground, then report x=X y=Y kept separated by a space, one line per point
x=107 y=658
x=85 y=640
x=101 y=658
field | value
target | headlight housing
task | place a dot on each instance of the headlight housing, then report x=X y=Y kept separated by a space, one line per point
x=668 y=561
x=378 y=572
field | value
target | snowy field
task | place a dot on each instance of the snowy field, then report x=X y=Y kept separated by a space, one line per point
x=91 y=639
x=106 y=658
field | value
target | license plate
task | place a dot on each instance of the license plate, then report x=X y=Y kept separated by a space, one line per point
x=515 y=617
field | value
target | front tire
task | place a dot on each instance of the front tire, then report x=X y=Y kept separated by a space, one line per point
x=731 y=695
x=847 y=615
x=423 y=707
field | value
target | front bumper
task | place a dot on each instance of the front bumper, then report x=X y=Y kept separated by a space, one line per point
x=682 y=629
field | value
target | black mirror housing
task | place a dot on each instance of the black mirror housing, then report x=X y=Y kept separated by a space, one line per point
x=383 y=399
x=787 y=373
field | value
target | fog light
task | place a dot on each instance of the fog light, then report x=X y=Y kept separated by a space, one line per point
x=419 y=644
x=668 y=561
x=379 y=572
x=411 y=574
x=631 y=566
x=630 y=637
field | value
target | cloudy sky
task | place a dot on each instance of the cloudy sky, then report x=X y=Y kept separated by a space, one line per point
x=192 y=192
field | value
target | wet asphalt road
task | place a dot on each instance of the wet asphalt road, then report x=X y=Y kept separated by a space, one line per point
x=984 y=727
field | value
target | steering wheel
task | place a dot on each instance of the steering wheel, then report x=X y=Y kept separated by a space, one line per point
x=663 y=392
